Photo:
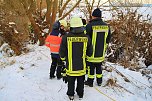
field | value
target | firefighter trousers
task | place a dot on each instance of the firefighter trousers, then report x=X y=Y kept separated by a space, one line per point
x=79 y=88
x=56 y=64
x=92 y=68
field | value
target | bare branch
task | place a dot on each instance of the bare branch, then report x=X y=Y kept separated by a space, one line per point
x=98 y=3
x=88 y=6
x=92 y=4
x=104 y=3
x=70 y=10
x=63 y=8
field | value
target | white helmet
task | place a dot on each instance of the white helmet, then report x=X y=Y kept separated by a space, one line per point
x=76 y=22
x=63 y=22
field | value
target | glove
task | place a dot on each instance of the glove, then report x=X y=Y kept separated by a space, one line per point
x=64 y=76
x=65 y=79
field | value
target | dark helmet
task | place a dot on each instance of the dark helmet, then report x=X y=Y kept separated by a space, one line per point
x=58 y=23
x=97 y=13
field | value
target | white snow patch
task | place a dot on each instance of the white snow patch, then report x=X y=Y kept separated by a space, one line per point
x=150 y=67
x=46 y=30
x=28 y=80
x=12 y=23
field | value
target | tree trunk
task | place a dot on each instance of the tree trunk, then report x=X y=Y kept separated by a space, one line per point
x=37 y=31
x=48 y=13
x=54 y=11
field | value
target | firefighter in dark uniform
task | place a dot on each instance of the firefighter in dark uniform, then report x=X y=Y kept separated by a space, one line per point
x=100 y=34
x=74 y=48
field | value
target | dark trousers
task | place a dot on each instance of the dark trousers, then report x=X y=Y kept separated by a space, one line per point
x=56 y=63
x=79 y=88
x=91 y=74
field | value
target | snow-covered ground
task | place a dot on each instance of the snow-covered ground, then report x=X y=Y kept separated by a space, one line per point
x=26 y=78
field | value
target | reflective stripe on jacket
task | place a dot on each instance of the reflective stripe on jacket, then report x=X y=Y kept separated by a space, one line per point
x=53 y=42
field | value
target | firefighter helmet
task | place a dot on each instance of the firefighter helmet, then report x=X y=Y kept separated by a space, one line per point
x=76 y=22
x=63 y=22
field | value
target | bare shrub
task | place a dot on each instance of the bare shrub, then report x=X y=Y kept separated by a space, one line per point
x=111 y=82
x=13 y=25
x=131 y=38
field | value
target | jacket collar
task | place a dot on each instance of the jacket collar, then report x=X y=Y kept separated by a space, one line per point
x=97 y=19
x=77 y=30
x=55 y=32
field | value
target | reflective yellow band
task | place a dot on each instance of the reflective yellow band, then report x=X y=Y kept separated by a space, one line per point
x=72 y=74
x=70 y=54
x=62 y=59
x=93 y=59
x=100 y=27
x=76 y=73
x=84 y=54
x=90 y=76
x=64 y=69
x=99 y=75
x=77 y=39
x=55 y=45
x=63 y=74
x=85 y=31
x=46 y=42
x=94 y=35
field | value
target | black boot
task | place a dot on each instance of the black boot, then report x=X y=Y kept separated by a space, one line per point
x=71 y=98
x=80 y=97
x=52 y=71
x=58 y=74
x=89 y=82
x=99 y=81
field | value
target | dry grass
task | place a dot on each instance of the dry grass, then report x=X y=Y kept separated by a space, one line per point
x=111 y=82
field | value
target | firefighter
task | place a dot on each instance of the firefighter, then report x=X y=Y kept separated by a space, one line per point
x=74 y=48
x=100 y=34
x=53 y=42
x=63 y=27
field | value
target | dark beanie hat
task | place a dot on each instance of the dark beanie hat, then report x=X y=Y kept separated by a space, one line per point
x=96 y=13
x=56 y=25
